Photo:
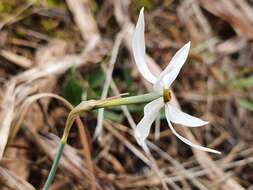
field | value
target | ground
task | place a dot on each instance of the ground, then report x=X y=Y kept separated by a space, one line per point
x=55 y=52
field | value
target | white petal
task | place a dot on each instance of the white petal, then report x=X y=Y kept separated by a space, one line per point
x=177 y=116
x=174 y=67
x=139 y=52
x=151 y=110
x=186 y=141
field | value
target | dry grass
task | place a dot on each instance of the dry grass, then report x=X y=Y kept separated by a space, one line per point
x=41 y=41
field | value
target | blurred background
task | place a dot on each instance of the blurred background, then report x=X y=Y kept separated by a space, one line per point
x=72 y=48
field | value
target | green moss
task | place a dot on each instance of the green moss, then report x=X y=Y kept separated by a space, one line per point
x=49 y=24
x=148 y=4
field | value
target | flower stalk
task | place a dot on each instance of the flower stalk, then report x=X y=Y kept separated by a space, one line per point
x=52 y=172
x=88 y=106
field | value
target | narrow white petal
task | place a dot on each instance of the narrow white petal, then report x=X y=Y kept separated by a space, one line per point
x=186 y=141
x=177 y=116
x=172 y=70
x=151 y=110
x=139 y=52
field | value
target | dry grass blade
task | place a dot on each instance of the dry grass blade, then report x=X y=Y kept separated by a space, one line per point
x=83 y=134
x=214 y=171
x=178 y=165
x=70 y=48
x=6 y=116
x=12 y=181
x=239 y=15
x=191 y=15
x=25 y=108
x=81 y=11
x=128 y=144
x=17 y=59
x=51 y=68
x=13 y=156
x=231 y=46
x=107 y=83
x=70 y=160
x=16 y=17
x=146 y=158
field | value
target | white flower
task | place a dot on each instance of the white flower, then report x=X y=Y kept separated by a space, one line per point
x=161 y=84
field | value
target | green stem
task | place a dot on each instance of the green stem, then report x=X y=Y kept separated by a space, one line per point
x=91 y=105
x=51 y=175
x=128 y=100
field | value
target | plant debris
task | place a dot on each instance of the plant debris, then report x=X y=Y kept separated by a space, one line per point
x=51 y=49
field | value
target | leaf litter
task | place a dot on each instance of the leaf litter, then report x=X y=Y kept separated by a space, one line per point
x=35 y=59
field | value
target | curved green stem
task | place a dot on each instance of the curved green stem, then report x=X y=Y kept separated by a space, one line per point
x=52 y=172
x=87 y=106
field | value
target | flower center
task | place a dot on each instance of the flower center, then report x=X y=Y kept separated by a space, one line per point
x=166 y=95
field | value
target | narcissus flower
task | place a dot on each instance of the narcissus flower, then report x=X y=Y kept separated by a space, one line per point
x=162 y=84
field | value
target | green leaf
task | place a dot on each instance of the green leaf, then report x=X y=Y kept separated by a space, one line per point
x=242 y=83
x=247 y=104
x=128 y=79
x=52 y=3
x=95 y=84
x=96 y=79
x=110 y=115
x=73 y=90
x=144 y=3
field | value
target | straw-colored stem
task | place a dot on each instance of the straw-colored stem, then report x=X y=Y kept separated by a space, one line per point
x=87 y=106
